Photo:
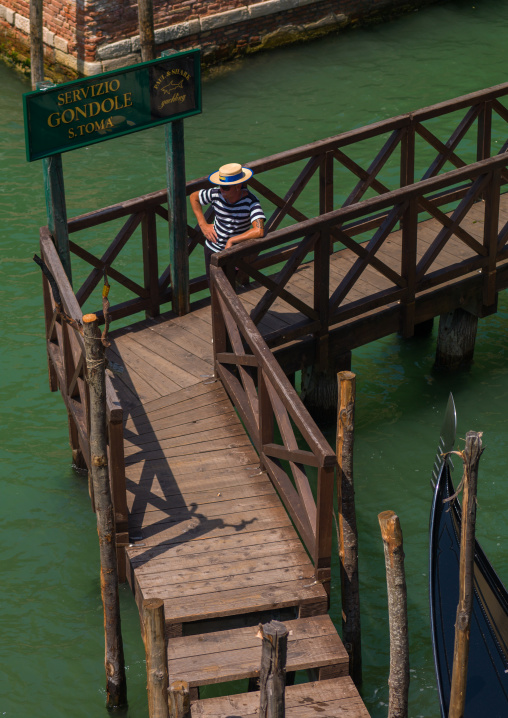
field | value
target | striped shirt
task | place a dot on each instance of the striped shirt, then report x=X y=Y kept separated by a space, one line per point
x=230 y=219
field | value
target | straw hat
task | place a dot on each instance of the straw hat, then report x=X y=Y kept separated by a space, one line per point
x=232 y=173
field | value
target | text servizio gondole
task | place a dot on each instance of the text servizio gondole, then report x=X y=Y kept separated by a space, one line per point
x=80 y=117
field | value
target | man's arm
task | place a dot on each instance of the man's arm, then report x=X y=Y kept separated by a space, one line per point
x=207 y=229
x=255 y=232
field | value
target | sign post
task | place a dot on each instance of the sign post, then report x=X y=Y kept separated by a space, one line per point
x=177 y=214
x=55 y=201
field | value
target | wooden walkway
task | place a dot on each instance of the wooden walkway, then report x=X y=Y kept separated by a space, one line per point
x=212 y=538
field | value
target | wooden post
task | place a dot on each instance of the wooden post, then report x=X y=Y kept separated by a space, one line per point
x=55 y=202
x=156 y=657
x=397 y=612
x=179 y=700
x=272 y=676
x=456 y=339
x=146 y=31
x=348 y=533
x=470 y=457
x=116 y=686
x=177 y=209
x=36 y=44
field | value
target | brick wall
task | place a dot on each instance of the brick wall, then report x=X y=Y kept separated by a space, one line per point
x=92 y=36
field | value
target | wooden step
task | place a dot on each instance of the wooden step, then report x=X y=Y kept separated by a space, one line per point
x=336 y=697
x=229 y=655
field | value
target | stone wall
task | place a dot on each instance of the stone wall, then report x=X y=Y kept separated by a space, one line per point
x=93 y=36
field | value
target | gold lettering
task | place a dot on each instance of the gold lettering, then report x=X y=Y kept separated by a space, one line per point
x=89 y=128
x=80 y=111
x=127 y=99
x=61 y=99
x=75 y=94
x=71 y=115
x=72 y=134
x=92 y=113
x=174 y=98
x=56 y=122
x=116 y=84
x=68 y=97
x=110 y=106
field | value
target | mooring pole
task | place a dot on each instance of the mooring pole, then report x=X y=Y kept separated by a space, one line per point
x=36 y=43
x=470 y=457
x=177 y=211
x=348 y=533
x=146 y=31
x=156 y=657
x=116 y=686
x=398 y=681
x=272 y=676
x=179 y=700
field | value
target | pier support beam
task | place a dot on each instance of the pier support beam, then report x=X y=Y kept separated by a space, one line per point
x=319 y=386
x=456 y=339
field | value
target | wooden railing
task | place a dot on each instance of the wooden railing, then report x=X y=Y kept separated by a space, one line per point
x=67 y=372
x=316 y=239
x=409 y=145
x=269 y=406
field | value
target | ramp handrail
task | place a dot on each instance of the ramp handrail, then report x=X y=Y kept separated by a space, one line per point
x=265 y=401
x=67 y=372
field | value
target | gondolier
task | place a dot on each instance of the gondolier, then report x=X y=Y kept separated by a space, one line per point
x=238 y=213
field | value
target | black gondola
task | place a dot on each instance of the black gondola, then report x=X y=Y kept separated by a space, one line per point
x=487 y=676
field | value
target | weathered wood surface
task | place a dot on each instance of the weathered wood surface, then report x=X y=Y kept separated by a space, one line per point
x=335 y=697
x=222 y=656
x=215 y=539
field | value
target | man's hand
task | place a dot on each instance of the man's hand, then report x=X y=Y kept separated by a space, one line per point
x=209 y=232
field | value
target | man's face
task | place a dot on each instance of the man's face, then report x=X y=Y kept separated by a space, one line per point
x=231 y=194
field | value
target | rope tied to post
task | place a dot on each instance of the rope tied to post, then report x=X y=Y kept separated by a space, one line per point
x=105 y=309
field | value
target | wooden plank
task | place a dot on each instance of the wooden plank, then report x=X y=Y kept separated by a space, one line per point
x=168 y=494
x=198 y=395
x=207 y=576
x=150 y=433
x=330 y=698
x=170 y=481
x=181 y=334
x=244 y=663
x=180 y=438
x=235 y=441
x=154 y=366
x=194 y=528
x=207 y=644
x=132 y=382
x=232 y=654
x=212 y=546
x=162 y=346
x=133 y=361
x=268 y=505
x=215 y=461
x=217 y=557
x=260 y=596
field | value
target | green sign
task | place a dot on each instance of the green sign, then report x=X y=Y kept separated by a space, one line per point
x=80 y=113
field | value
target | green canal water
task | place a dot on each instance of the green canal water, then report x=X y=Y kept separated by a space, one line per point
x=51 y=648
